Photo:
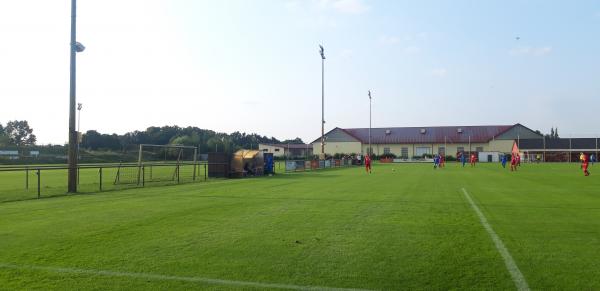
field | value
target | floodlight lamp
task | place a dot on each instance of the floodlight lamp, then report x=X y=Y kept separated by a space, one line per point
x=322 y=51
x=79 y=47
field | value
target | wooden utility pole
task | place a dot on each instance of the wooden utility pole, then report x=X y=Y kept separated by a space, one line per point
x=72 y=159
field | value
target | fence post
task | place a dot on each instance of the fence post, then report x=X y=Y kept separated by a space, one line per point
x=205 y=172
x=78 y=168
x=100 y=179
x=178 y=174
x=38 y=182
x=144 y=175
x=27 y=178
x=194 y=174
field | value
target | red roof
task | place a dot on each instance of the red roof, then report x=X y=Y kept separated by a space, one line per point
x=435 y=134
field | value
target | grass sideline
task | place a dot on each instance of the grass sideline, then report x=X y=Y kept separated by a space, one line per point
x=403 y=227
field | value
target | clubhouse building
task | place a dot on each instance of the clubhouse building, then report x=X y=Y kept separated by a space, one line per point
x=409 y=142
x=287 y=150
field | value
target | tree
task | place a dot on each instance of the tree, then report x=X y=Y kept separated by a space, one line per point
x=186 y=140
x=4 y=140
x=293 y=141
x=19 y=133
x=94 y=140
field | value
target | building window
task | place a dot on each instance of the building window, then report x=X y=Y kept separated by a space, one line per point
x=420 y=151
x=479 y=149
x=442 y=151
x=386 y=151
x=276 y=150
x=405 y=153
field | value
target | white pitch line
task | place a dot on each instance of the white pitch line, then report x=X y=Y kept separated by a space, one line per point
x=148 y=276
x=511 y=266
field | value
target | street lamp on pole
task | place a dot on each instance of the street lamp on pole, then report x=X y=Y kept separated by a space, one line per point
x=75 y=47
x=369 y=151
x=322 y=52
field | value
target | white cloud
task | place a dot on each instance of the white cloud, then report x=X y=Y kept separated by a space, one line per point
x=531 y=51
x=412 y=49
x=385 y=39
x=542 y=51
x=439 y=72
x=422 y=35
x=350 y=6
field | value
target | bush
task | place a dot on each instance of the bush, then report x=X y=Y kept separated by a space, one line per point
x=386 y=156
x=450 y=158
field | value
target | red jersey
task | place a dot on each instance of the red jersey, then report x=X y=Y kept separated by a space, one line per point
x=585 y=159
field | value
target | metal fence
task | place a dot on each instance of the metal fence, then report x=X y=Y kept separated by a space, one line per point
x=312 y=165
x=31 y=182
x=40 y=181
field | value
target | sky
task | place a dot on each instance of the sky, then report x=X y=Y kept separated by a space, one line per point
x=254 y=66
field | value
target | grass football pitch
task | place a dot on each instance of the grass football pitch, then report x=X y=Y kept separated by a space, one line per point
x=403 y=227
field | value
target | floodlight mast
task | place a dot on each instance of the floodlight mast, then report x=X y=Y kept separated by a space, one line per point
x=75 y=47
x=322 y=52
x=369 y=151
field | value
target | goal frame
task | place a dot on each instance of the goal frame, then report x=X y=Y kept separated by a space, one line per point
x=180 y=147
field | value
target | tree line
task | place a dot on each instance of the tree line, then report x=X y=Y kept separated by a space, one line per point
x=206 y=140
x=17 y=133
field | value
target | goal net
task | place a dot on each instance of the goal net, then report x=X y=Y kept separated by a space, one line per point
x=160 y=163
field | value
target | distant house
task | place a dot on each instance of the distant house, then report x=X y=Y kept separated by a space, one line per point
x=287 y=150
x=408 y=142
x=9 y=154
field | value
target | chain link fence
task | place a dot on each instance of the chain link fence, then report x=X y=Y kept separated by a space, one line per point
x=31 y=182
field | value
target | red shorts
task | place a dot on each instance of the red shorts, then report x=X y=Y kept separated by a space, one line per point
x=585 y=167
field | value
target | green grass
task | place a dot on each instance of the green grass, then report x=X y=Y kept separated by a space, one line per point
x=53 y=182
x=403 y=227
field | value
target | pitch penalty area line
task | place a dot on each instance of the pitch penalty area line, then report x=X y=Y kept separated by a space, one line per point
x=148 y=276
x=510 y=263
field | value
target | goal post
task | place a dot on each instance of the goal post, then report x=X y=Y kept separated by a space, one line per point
x=160 y=163
x=174 y=155
x=178 y=149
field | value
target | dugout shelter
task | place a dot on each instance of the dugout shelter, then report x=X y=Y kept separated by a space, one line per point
x=247 y=163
